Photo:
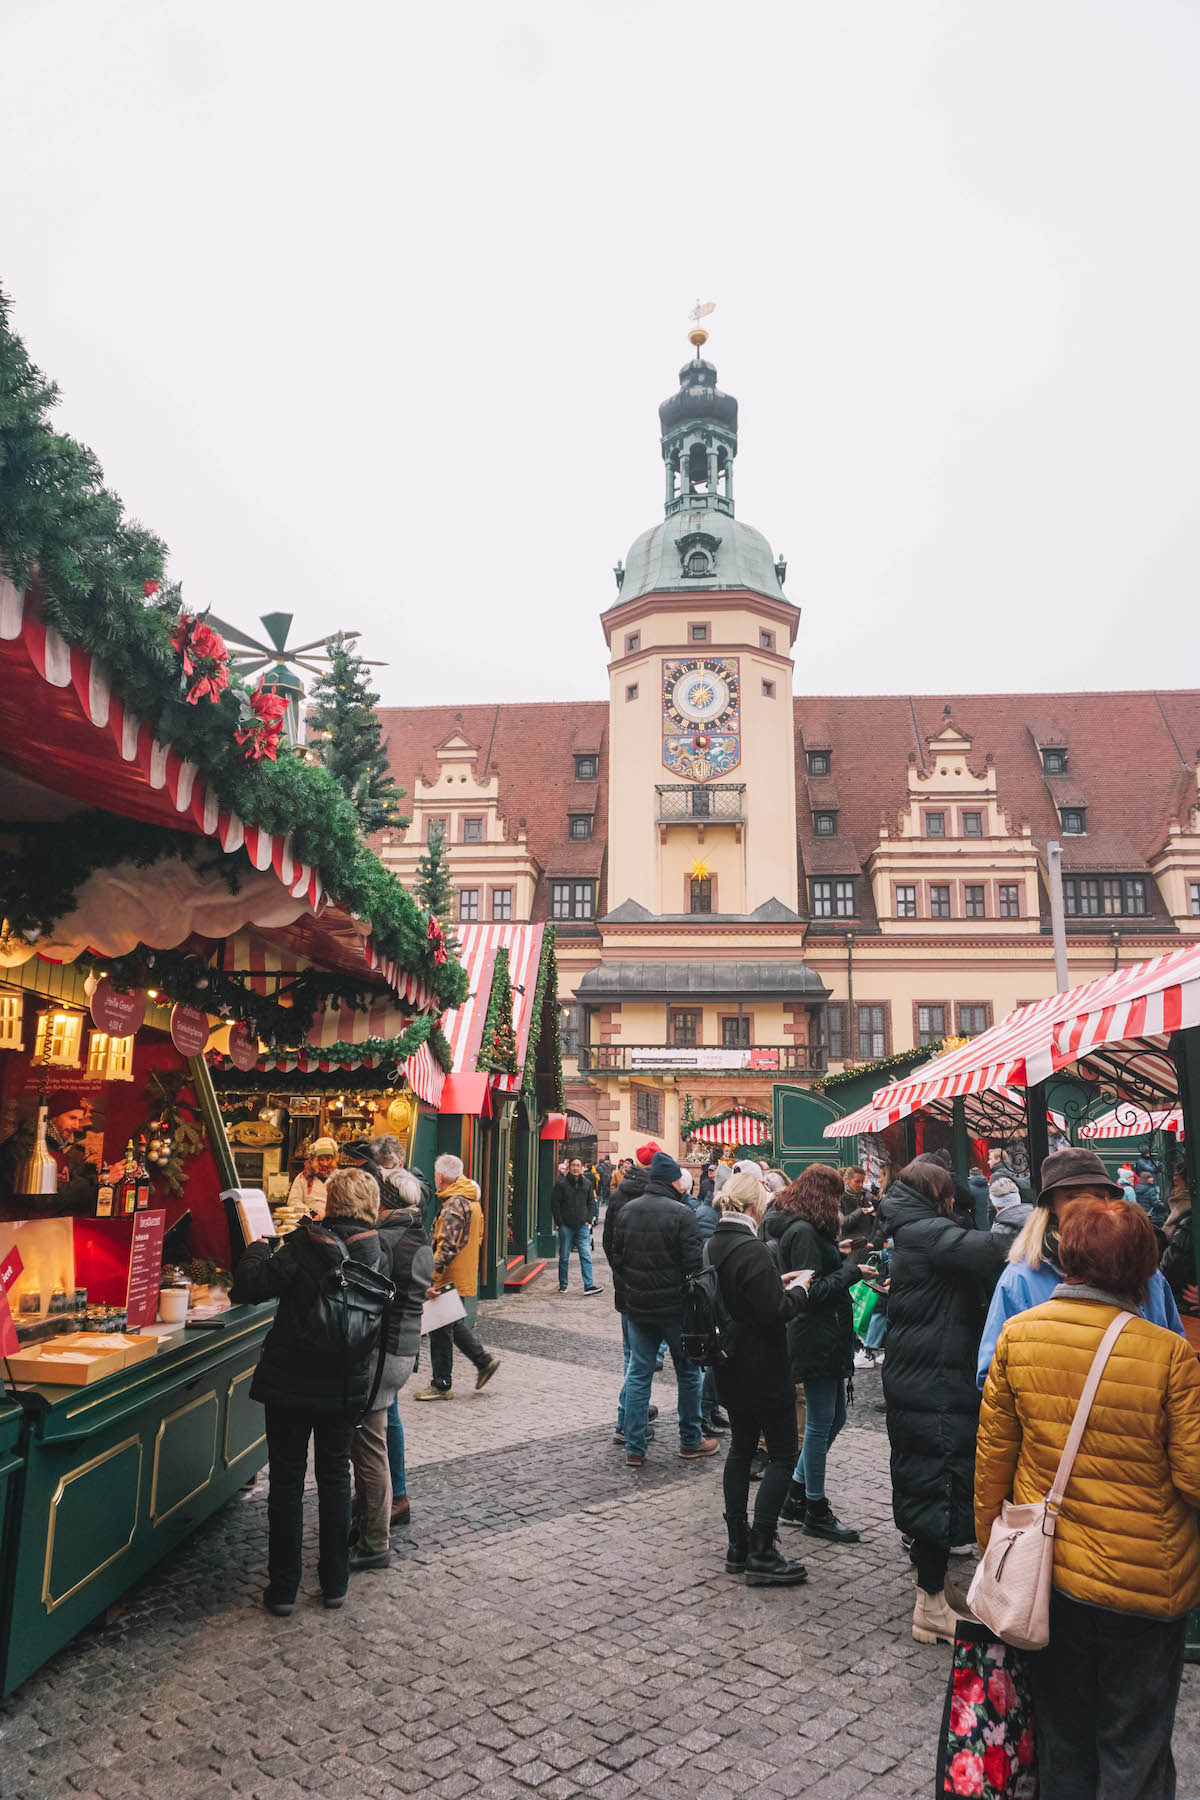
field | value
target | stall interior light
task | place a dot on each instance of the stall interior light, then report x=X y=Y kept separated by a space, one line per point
x=110 y=1058
x=12 y=1021
x=59 y=1037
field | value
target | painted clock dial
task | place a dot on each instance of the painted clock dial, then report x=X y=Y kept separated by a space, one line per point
x=701 y=705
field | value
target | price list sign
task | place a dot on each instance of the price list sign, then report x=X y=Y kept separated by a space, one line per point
x=145 y=1268
x=10 y=1268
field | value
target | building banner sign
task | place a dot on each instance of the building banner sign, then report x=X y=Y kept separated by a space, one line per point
x=745 y=1057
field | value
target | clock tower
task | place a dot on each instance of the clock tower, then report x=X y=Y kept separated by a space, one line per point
x=702 y=784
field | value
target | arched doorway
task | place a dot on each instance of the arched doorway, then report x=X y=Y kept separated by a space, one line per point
x=581 y=1139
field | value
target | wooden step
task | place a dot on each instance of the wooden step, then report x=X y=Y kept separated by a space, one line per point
x=521 y=1274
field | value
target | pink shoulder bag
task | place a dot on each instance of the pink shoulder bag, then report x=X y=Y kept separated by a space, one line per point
x=1011 y=1590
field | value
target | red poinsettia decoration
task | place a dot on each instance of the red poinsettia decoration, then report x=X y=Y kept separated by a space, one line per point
x=203 y=659
x=262 y=723
x=149 y=588
x=437 y=938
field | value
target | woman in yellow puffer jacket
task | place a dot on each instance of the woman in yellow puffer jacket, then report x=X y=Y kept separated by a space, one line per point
x=1126 y=1547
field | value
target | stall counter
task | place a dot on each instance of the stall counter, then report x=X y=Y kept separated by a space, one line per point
x=117 y=1473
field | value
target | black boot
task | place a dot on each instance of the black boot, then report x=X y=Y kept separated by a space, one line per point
x=764 y=1565
x=739 y=1545
x=795 y=1506
x=713 y=1424
x=821 y=1522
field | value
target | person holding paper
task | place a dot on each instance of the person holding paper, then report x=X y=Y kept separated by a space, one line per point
x=457 y=1242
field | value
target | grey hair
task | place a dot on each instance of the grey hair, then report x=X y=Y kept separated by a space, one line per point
x=388 y=1151
x=406 y=1187
x=449 y=1167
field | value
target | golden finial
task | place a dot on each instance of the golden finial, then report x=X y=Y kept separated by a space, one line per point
x=697 y=336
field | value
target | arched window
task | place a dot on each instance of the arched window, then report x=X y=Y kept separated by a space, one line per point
x=697 y=563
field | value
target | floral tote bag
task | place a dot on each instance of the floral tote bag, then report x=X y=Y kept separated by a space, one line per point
x=986 y=1749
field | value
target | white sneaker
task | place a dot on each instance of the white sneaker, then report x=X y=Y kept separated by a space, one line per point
x=964 y=1550
x=864 y=1359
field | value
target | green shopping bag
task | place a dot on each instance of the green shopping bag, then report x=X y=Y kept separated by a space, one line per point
x=863 y=1300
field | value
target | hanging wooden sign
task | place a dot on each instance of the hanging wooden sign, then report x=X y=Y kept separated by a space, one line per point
x=117 y=1013
x=243 y=1048
x=189 y=1029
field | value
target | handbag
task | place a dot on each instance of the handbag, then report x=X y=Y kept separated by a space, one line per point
x=863 y=1301
x=1011 y=1589
x=986 y=1747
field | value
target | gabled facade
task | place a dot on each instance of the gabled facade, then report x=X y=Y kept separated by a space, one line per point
x=748 y=886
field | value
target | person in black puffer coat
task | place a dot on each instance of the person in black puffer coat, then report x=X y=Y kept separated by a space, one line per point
x=806 y=1222
x=632 y=1187
x=305 y=1394
x=755 y=1384
x=655 y=1247
x=942 y=1276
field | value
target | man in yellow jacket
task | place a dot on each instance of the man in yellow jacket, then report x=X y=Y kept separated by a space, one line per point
x=457 y=1242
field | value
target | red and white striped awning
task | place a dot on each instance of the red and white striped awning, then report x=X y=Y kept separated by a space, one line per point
x=62 y=666
x=1146 y=1000
x=737 y=1129
x=263 y=962
x=478 y=946
x=38 y=647
x=870 y=1119
x=1132 y=1121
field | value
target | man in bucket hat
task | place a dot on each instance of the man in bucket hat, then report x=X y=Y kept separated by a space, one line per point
x=1032 y=1272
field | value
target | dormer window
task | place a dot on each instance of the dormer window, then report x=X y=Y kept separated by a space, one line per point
x=819 y=762
x=1054 y=762
x=586 y=768
x=935 y=824
x=824 y=824
x=1073 y=820
x=580 y=825
x=697 y=564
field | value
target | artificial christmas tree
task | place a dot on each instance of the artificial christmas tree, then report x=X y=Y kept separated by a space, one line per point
x=343 y=729
x=433 y=888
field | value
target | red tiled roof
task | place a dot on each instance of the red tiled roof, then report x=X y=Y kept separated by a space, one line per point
x=1130 y=765
x=531 y=747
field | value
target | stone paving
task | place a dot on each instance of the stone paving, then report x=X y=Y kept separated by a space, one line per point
x=554 y=1625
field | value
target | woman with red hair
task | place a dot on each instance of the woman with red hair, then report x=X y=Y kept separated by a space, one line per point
x=1126 y=1545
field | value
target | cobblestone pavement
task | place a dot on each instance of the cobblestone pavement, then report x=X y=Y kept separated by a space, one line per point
x=553 y=1625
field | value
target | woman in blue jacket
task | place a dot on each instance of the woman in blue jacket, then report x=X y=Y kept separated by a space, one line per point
x=1033 y=1273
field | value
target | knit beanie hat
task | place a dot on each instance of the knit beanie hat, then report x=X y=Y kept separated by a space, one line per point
x=664 y=1167
x=1001 y=1188
x=721 y=1177
x=747 y=1166
x=647 y=1153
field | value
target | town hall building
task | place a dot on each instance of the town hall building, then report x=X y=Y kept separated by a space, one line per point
x=750 y=886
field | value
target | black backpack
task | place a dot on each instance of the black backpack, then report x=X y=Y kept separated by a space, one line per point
x=347 y=1319
x=710 y=1332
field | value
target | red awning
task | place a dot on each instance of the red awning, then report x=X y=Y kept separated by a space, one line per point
x=469 y=1095
x=555 y=1128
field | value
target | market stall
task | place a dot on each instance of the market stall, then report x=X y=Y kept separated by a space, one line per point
x=127 y=1417
x=505 y=1079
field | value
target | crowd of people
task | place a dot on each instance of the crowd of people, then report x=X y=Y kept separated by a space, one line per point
x=988 y=1299
x=992 y=1299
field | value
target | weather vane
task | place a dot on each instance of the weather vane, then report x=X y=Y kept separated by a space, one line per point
x=697 y=335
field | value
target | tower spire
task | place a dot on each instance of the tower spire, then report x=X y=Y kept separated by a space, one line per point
x=699 y=434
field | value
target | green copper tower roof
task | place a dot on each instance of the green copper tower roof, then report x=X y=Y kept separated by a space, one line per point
x=699 y=544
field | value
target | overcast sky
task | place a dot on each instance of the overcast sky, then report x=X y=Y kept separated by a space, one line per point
x=367 y=309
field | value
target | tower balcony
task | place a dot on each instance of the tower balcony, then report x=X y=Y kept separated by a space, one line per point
x=701 y=803
x=708 y=1059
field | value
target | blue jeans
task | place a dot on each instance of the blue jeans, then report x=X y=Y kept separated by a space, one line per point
x=626 y=1352
x=644 y=1340
x=395 y=1449
x=876 y=1330
x=825 y=1403
x=575 y=1237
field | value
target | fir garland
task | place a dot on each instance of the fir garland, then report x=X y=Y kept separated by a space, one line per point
x=181 y=976
x=543 y=1019
x=881 y=1066
x=94 y=571
x=497 y=1042
x=393 y=1049
x=727 y=1112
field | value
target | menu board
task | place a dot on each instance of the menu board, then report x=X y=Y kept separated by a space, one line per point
x=10 y=1268
x=145 y=1268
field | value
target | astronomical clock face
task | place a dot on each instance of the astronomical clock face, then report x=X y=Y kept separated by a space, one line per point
x=702 y=723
